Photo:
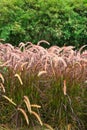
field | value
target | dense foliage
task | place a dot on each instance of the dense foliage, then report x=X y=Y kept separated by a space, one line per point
x=55 y=78
x=57 y=21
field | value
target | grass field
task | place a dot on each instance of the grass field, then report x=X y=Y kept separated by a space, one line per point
x=43 y=87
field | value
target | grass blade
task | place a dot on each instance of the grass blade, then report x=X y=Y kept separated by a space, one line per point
x=10 y=100
x=37 y=116
x=25 y=115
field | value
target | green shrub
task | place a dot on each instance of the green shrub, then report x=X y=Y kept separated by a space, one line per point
x=57 y=21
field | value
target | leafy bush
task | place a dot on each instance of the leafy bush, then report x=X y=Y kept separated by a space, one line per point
x=55 y=78
x=57 y=21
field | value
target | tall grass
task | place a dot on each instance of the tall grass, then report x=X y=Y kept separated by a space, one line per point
x=54 y=78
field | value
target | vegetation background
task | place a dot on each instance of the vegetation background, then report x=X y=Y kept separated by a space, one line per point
x=60 y=22
x=61 y=87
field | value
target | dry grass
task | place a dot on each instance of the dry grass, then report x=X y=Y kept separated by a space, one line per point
x=55 y=78
x=54 y=61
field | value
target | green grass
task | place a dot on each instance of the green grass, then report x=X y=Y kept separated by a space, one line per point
x=22 y=128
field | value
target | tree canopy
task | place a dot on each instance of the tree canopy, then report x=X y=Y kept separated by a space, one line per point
x=57 y=21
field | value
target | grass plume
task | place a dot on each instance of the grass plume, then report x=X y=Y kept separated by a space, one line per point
x=46 y=76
